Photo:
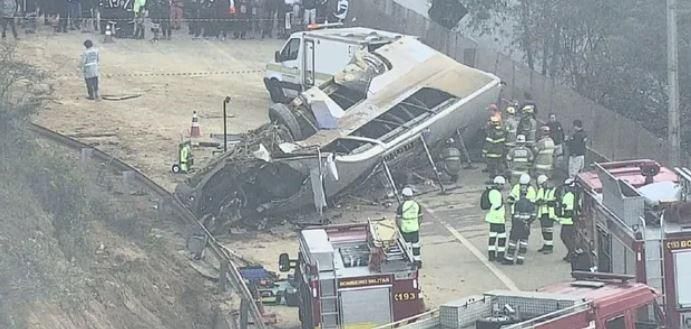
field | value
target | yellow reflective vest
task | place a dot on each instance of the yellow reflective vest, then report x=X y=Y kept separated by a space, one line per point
x=544 y=196
x=410 y=219
x=497 y=212
x=567 y=204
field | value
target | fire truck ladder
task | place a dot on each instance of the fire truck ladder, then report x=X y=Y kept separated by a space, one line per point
x=328 y=301
x=654 y=257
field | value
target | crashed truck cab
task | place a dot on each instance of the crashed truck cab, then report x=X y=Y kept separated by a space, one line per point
x=309 y=58
x=379 y=107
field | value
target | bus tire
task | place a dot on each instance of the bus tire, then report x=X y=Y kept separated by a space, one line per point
x=281 y=114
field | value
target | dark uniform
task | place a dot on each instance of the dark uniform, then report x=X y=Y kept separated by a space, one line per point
x=493 y=150
x=523 y=216
x=451 y=161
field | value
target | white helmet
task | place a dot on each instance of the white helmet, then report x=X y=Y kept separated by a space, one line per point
x=499 y=180
x=541 y=179
x=524 y=179
x=520 y=139
x=568 y=181
x=407 y=191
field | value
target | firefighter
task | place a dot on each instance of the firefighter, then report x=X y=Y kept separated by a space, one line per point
x=522 y=188
x=528 y=125
x=451 y=160
x=511 y=125
x=408 y=218
x=523 y=215
x=544 y=153
x=496 y=218
x=545 y=212
x=493 y=150
x=519 y=158
x=564 y=210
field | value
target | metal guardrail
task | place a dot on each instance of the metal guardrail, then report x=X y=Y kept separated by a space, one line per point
x=222 y=253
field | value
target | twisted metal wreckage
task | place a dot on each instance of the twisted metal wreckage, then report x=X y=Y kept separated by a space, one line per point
x=382 y=108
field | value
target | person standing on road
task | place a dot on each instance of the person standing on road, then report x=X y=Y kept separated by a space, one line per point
x=408 y=218
x=176 y=13
x=576 y=144
x=8 y=11
x=545 y=212
x=528 y=125
x=523 y=215
x=519 y=159
x=557 y=133
x=496 y=218
x=89 y=65
x=494 y=147
x=564 y=210
x=544 y=153
x=522 y=188
x=511 y=126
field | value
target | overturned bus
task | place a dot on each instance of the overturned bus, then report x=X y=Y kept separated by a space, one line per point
x=381 y=107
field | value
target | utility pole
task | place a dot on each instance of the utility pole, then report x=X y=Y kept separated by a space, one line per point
x=673 y=137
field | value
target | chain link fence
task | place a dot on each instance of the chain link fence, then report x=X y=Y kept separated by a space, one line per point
x=612 y=136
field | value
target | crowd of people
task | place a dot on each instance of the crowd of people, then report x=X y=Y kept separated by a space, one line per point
x=204 y=18
x=519 y=151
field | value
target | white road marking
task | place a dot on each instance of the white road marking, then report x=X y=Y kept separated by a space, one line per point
x=477 y=253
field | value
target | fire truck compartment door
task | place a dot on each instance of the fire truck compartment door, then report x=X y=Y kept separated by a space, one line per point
x=357 y=305
x=682 y=275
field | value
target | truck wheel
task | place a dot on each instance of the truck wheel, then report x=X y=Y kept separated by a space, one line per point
x=281 y=114
x=275 y=92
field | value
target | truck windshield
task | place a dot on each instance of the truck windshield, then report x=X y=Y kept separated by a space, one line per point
x=291 y=50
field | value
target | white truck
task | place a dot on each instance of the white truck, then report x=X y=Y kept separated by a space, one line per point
x=311 y=57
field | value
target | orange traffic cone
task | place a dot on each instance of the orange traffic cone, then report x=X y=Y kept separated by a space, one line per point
x=195 y=131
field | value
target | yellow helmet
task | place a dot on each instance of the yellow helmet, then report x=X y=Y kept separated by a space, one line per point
x=495 y=119
x=511 y=110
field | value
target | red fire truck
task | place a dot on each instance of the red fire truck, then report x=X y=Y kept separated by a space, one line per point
x=354 y=276
x=622 y=222
x=592 y=301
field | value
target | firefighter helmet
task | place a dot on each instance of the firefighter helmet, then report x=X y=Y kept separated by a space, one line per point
x=495 y=120
x=407 y=191
x=511 y=110
x=520 y=139
x=524 y=179
x=450 y=141
x=529 y=108
x=568 y=181
x=499 y=180
x=544 y=129
x=541 y=179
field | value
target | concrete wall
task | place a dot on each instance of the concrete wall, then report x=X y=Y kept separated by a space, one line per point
x=612 y=136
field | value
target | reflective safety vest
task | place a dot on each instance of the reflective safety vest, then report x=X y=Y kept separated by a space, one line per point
x=497 y=212
x=184 y=157
x=409 y=217
x=544 y=196
x=515 y=194
x=544 y=154
x=567 y=203
x=494 y=143
x=520 y=160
